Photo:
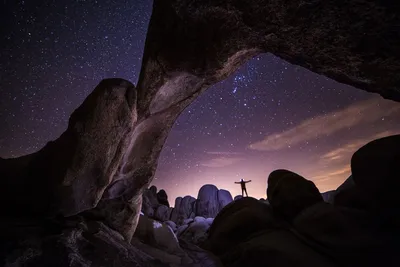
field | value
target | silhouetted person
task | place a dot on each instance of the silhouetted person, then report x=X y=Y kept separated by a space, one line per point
x=243 y=185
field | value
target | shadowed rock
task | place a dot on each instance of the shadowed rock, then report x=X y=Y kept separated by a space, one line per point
x=289 y=193
x=162 y=197
x=376 y=171
x=78 y=244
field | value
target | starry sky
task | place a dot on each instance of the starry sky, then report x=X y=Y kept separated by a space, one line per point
x=267 y=115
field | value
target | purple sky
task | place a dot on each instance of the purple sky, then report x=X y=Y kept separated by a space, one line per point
x=269 y=114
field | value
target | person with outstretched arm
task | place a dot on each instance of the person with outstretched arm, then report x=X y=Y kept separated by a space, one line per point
x=243 y=185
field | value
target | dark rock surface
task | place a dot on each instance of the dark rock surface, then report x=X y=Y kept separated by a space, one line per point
x=162 y=197
x=238 y=197
x=375 y=170
x=236 y=223
x=309 y=231
x=75 y=243
x=328 y=196
x=289 y=193
x=163 y=213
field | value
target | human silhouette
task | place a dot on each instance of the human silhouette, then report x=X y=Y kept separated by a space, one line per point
x=243 y=185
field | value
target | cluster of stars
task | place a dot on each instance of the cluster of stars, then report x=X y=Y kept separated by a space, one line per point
x=54 y=54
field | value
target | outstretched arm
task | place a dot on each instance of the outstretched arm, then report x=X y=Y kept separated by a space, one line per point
x=248 y=181
x=237 y=182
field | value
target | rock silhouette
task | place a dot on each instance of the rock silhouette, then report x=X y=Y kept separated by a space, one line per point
x=312 y=232
x=289 y=193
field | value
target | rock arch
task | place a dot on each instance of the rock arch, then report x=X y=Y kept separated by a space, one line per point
x=109 y=152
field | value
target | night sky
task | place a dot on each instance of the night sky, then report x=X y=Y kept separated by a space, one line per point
x=268 y=115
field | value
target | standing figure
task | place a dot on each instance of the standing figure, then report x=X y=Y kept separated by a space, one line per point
x=243 y=185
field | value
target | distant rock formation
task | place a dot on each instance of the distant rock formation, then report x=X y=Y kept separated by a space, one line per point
x=162 y=198
x=209 y=202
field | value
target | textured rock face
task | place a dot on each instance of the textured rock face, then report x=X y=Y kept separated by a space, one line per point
x=184 y=209
x=224 y=198
x=207 y=204
x=210 y=201
x=70 y=174
x=163 y=213
x=78 y=244
x=158 y=235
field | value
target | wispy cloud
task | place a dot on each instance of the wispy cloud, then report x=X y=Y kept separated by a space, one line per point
x=221 y=162
x=333 y=167
x=361 y=113
x=345 y=151
x=223 y=153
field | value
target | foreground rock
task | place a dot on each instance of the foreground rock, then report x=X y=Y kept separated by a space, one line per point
x=70 y=174
x=289 y=193
x=74 y=243
x=311 y=232
x=97 y=161
x=159 y=241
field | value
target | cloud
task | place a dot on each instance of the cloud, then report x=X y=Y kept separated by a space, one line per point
x=221 y=162
x=223 y=153
x=333 y=167
x=364 y=112
x=346 y=151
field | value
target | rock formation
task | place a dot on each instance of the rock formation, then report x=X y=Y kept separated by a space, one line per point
x=100 y=165
x=162 y=198
x=210 y=201
x=289 y=193
x=311 y=232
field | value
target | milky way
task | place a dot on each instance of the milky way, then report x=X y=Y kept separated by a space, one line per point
x=269 y=114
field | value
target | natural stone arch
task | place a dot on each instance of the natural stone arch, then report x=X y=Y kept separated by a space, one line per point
x=191 y=45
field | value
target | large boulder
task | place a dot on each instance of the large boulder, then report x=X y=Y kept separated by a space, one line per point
x=163 y=213
x=375 y=170
x=289 y=193
x=158 y=235
x=162 y=197
x=207 y=204
x=224 y=198
x=350 y=196
x=150 y=201
x=69 y=175
x=184 y=209
x=196 y=232
x=237 y=222
x=210 y=200
x=349 y=238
